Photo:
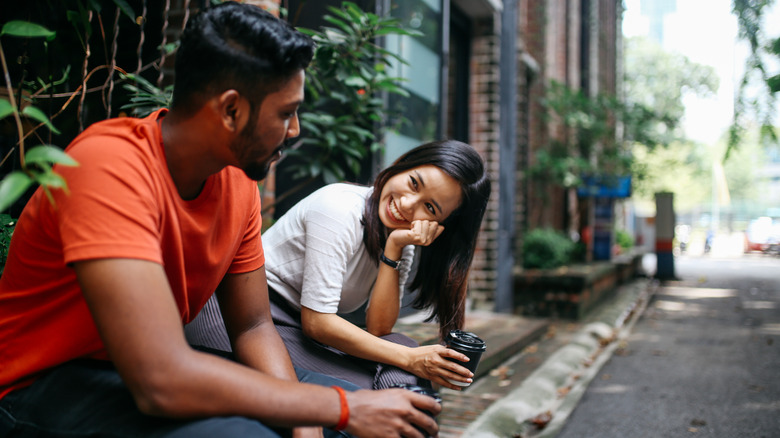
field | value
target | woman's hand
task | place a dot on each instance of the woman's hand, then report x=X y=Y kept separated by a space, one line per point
x=430 y=362
x=421 y=233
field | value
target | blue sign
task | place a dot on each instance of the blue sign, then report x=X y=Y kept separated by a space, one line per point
x=605 y=186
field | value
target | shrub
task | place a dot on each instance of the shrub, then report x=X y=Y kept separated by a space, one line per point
x=546 y=248
x=624 y=239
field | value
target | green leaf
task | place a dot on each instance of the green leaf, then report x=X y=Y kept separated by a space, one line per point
x=126 y=9
x=343 y=26
x=356 y=81
x=392 y=88
x=49 y=154
x=12 y=187
x=34 y=113
x=26 y=29
x=329 y=177
x=51 y=180
x=343 y=14
x=6 y=109
x=390 y=30
x=171 y=47
x=774 y=83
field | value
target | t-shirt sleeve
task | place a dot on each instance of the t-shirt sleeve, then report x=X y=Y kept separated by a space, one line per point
x=250 y=255
x=333 y=234
x=109 y=209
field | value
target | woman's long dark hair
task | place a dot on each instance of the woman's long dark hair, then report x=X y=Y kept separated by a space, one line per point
x=442 y=275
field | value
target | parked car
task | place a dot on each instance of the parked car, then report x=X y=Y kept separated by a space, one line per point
x=762 y=234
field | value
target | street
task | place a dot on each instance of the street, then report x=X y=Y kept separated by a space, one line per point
x=703 y=361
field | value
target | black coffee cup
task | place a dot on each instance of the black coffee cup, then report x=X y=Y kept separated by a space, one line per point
x=420 y=390
x=470 y=345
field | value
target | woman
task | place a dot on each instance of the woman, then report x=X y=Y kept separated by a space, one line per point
x=345 y=245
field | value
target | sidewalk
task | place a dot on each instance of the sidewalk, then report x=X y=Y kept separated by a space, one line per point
x=535 y=369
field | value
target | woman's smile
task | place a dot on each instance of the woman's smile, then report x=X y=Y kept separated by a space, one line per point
x=394 y=212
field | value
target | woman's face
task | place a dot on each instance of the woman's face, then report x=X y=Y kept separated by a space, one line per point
x=420 y=193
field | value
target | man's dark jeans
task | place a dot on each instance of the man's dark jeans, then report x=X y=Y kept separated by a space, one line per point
x=89 y=399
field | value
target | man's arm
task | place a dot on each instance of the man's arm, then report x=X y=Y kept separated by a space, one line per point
x=243 y=300
x=245 y=309
x=137 y=318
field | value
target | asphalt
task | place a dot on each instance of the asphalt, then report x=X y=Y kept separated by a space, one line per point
x=535 y=370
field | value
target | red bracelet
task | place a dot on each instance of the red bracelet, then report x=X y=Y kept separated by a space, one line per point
x=344 y=417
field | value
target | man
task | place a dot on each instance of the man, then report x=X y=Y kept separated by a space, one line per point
x=161 y=212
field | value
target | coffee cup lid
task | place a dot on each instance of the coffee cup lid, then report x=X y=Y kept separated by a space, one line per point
x=418 y=389
x=465 y=340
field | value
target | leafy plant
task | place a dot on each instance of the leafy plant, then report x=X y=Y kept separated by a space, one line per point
x=6 y=231
x=587 y=145
x=763 y=54
x=344 y=94
x=545 y=248
x=36 y=164
x=624 y=239
x=146 y=97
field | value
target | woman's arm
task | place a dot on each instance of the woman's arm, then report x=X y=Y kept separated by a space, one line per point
x=428 y=362
x=385 y=302
x=384 y=305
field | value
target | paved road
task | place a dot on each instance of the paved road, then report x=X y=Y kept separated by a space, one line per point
x=703 y=361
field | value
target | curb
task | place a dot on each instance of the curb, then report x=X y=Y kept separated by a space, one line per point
x=540 y=406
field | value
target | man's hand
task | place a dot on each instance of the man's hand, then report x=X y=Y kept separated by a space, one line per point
x=391 y=413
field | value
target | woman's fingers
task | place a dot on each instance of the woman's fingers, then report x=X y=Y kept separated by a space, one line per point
x=425 y=232
x=434 y=365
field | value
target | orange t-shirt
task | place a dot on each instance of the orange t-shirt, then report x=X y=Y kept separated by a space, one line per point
x=122 y=204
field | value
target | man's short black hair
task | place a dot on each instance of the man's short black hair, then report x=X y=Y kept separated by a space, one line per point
x=236 y=46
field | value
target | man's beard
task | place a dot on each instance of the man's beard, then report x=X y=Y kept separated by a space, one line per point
x=258 y=171
x=252 y=169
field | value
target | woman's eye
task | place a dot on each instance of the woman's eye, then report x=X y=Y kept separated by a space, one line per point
x=414 y=182
x=431 y=209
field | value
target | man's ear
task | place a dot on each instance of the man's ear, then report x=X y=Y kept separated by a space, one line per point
x=233 y=110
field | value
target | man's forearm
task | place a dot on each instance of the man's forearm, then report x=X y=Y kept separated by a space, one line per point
x=262 y=348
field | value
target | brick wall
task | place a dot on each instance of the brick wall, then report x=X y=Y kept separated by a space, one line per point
x=484 y=136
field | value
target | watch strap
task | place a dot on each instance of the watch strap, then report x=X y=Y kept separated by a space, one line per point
x=395 y=264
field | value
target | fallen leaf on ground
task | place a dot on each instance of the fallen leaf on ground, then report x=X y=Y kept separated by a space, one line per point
x=502 y=372
x=542 y=419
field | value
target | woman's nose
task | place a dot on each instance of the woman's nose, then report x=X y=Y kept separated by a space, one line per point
x=407 y=204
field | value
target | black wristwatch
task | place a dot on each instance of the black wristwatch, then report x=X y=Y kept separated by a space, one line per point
x=395 y=264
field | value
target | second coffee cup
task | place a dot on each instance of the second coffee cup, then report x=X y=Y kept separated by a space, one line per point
x=420 y=390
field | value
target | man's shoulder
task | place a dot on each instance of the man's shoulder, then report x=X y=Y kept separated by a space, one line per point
x=126 y=130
